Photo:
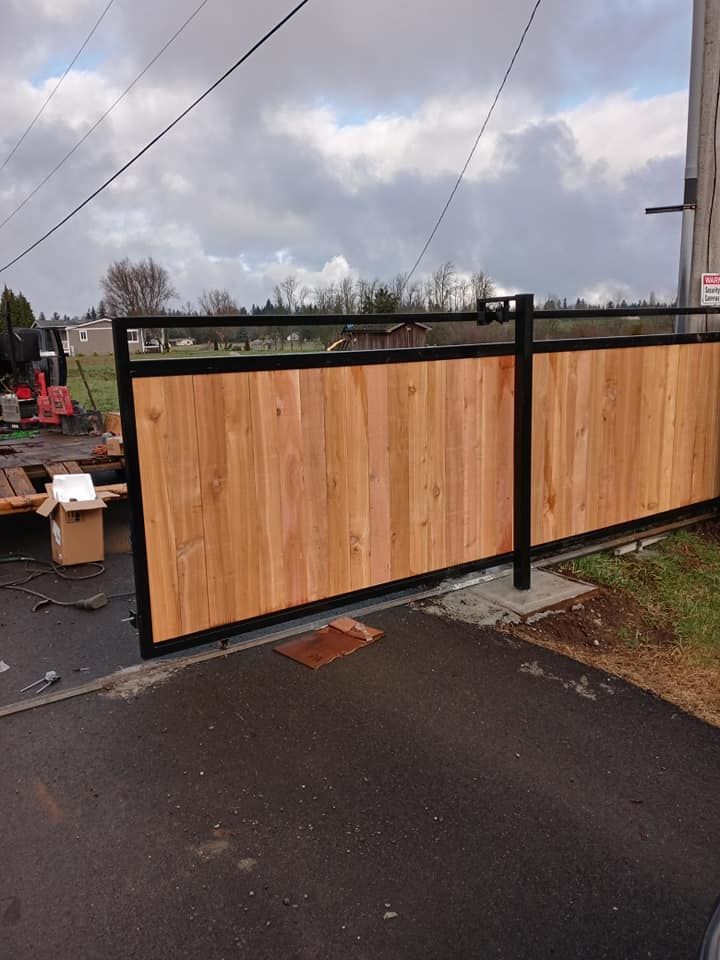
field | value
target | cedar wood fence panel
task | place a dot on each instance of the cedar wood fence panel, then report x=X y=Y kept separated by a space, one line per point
x=272 y=489
x=266 y=485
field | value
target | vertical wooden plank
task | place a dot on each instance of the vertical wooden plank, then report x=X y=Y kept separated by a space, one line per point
x=653 y=414
x=669 y=426
x=626 y=442
x=456 y=458
x=315 y=510
x=172 y=503
x=469 y=457
x=550 y=456
x=336 y=454
x=268 y=517
x=358 y=472
x=578 y=457
x=685 y=426
x=490 y=427
x=541 y=389
x=286 y=384
x=436 y=484
x=419 y=467
x=595 y=439
x=702 y=353
x=379 y=473
x=226 y=466
x=503 y=540
x=400 y=493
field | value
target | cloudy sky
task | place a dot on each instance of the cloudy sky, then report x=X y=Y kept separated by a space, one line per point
x=334 y=148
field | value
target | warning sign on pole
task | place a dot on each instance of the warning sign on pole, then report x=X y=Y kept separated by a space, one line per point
x=710 y=290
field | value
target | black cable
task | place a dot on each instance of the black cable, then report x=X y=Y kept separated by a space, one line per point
x=256 y=46
x=107 y=113
x=715 y=175
x=56 y=87
x=475 y=145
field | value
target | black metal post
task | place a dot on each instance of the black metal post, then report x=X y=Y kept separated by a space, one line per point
x=522 y=463
x=11 y=336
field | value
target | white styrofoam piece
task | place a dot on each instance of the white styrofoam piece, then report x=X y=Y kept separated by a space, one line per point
x=73 y=486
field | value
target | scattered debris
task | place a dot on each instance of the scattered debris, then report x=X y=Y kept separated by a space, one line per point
x=133 y=681
x=581 y=687
x=247 y=864
x=339 y=639
x=51 y=677
x=389 y=915
x=210 y=849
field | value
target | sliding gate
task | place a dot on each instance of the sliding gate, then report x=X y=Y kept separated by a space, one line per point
x=271 y=485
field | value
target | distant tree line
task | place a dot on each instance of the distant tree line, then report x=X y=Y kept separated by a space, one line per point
x=144 y=288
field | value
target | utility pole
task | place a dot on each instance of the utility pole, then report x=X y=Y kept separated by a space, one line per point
x=700 y=251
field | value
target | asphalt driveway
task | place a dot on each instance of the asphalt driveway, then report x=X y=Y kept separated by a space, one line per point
x=445 y=793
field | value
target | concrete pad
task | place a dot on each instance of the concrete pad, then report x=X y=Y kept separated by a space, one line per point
x=498 y=602
x=548 y=590
x=470 y=606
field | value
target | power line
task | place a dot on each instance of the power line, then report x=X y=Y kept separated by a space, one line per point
x=475 y=145
x=713 y=194
x=246 y=56
x=57 y=86
x=100 y=119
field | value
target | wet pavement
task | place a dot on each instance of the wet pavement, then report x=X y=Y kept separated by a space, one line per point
x=444 y=793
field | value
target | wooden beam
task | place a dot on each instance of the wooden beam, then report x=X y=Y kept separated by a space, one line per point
x=55 y=468
x=19 y=481
x=30 y=503
x=5 y=489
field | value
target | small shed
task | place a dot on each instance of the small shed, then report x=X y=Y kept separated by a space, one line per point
x=391 y=336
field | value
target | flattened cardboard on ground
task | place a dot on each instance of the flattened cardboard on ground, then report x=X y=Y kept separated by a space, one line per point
x=76 y=526
x=322 y=646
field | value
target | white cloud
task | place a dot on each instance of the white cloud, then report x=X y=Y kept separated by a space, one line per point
x=348 y=186
x=621 y=132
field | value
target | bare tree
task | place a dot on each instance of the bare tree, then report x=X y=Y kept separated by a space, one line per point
x=482 y=286
x=347 y=296
x=442 y=281
x=218 y=303
x=303 y=295
x=290 y=293
x=141 y=289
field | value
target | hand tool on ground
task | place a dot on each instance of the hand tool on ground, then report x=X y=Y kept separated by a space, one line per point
x=50 y=677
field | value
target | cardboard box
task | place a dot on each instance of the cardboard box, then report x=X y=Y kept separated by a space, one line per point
x=114 y=446
x=76 y=519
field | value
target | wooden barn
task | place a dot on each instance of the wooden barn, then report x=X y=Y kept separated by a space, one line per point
x=411 y=333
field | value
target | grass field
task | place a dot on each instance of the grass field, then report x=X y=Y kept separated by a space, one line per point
x=100 y=372
x=100 y=375
x=677 y=584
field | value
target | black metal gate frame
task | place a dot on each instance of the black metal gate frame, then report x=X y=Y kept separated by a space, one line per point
x=523 y=348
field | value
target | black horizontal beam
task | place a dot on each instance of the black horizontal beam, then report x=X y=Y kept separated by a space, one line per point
x=165 y=366
x=618 y=343
x=296 y=320
x=597 y=313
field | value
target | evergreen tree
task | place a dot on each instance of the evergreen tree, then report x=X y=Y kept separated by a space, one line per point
x=20 y=310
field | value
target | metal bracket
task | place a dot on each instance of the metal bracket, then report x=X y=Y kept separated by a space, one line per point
x=499 y=314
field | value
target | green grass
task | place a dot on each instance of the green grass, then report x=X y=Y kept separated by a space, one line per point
x=677 y=583
x=100 y=375
x=100 y=370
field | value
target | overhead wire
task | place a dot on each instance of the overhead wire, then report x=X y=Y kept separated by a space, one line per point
x=104 y=116
x=57 y=86
x=713 y=193
x=475 y=145
x=246 y=56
